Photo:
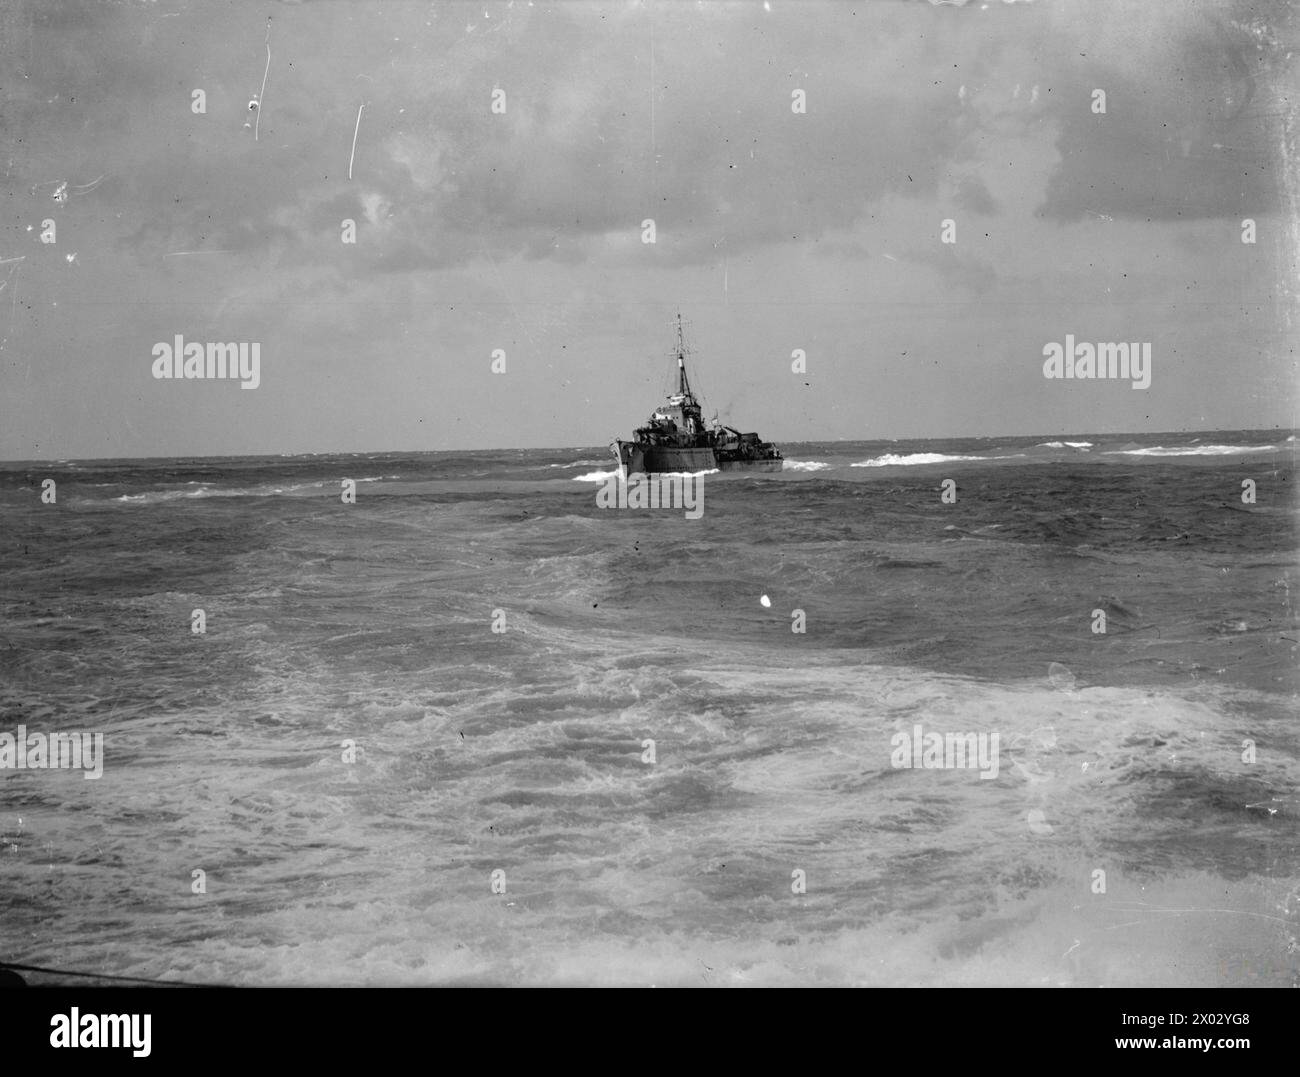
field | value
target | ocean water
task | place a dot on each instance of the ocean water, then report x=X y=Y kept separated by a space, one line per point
x=520 y=754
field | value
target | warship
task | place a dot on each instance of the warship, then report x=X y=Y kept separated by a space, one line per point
x=676 y=439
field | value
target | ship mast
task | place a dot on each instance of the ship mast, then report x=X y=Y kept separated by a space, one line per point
x=683 y=386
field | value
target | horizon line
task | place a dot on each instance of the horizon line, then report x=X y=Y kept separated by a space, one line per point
x=558 y=448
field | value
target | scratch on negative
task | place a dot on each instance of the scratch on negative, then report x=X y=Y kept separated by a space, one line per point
x=354 y=140
x=13 y=308
x=1143 y=907
x=261 y=97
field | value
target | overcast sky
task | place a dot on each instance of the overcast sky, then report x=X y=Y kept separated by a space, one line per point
x=522 y=231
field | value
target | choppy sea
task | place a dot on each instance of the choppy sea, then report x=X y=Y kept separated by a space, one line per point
x=501 y=821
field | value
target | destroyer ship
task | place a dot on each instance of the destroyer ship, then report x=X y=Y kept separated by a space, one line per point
x=676 y=438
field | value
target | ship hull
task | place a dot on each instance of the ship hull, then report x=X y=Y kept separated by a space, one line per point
x=637 y=459
x=750 y=465
x=656 y=459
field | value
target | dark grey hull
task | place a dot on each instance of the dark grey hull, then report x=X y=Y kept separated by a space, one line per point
x=750 y=465
x=636 y=458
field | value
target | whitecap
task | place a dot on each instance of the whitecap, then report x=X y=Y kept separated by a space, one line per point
x=572 y=463
x=893 y=460
x=1189 y=450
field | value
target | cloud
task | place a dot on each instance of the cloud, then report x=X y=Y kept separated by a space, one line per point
x=1194 y=109
x=603 y=128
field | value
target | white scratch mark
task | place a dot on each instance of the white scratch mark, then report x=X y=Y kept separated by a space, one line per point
x=262 y=96
x=62 y=187
x=13 y=309
x=1142 y=906
x=356 y=129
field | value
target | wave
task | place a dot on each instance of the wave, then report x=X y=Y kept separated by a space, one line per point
x=574 y=463
x=1085 y=445
x=805 y=465
x=1190 y=450
x=601 y=476
x=893 y=460
x=152 y=497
